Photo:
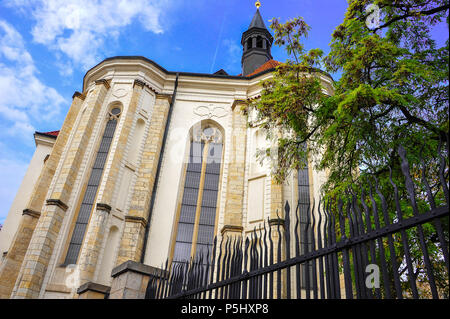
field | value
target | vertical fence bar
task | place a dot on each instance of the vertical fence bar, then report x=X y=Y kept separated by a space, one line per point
x=345 y=254
x=266 y=261
x=287 y=236
x=245 y=266
x=278 y=258
x=387 y=222
x=437 y=222
x=334 y=259
x=297 y=252
x=313 y=248
x=271 y=262
x=305 y=251
x=327 y=243
x=319 y=247
x=373 y=256
x=386 y=281
x=412 y=197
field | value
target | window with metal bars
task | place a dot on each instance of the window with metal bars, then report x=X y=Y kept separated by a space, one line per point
x=196 y=224
x=90 y=193
x=305 y=220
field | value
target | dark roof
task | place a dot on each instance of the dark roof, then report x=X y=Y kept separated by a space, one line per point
x=257 y=21
x=52 y=134
x=141 y=58
x=221 y=72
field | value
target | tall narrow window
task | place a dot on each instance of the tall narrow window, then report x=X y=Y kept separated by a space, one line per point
x=196 y=225
x=249 y=43
x=91 y=190
x=259 y=42
x=305 y=220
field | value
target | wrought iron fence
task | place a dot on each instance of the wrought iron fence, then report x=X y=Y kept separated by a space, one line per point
x=358 y=246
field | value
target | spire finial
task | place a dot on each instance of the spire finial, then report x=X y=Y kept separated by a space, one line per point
x=257 y=4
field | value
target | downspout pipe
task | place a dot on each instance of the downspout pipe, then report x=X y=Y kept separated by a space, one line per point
x=158 y=169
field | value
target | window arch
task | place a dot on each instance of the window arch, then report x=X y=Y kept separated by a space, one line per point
x=249 y=43
x=196 y=224
x=108 y=255
x=90 y=193
x=259 y=42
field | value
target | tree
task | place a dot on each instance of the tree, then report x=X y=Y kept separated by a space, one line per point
x=393 y=91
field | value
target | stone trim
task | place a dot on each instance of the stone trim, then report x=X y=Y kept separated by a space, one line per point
x=58 y=288
x=78 y=95
x=57 y=202
x=104 y=207
x=31 y=213
x=232 y=228
x=139 y=268
x=144 y=85
x=276 y=221
x=139 y=82
x=92 y=286
x=164 y=96
x=135 y=219
x=104 y=82
x=236 y=102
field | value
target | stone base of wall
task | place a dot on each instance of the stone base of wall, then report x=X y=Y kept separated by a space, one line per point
x=92 y=290
x=130 y=280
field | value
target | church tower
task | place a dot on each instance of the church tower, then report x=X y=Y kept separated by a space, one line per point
x=257 y=42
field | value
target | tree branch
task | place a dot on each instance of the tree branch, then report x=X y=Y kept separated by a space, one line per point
x=411 y=14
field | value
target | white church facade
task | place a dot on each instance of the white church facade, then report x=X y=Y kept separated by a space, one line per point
x=149 y=165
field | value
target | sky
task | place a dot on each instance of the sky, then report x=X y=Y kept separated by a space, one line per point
x=46 y=47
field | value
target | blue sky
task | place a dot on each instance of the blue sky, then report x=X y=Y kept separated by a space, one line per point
x=46 y=46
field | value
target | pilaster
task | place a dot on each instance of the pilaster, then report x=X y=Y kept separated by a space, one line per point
x=96 y=230
x=16 y=253
x=130 y=280
x=43 y=240
x=133 y=236
x=236 y=172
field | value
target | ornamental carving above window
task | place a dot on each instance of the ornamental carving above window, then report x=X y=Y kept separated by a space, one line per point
x=210 y=111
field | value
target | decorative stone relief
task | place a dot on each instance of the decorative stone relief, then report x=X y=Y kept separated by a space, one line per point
x=210 y=111
x=120 y=92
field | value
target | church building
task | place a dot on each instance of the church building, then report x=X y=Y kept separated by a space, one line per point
x=149 y=166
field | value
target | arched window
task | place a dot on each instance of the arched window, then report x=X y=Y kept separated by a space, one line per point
x=259 y=42
x=249 y=43
x=197 y=219
x=108 y=256
x=91 y=189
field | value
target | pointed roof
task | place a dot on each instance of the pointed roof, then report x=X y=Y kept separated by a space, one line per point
x=257 y=21
x=257 y=26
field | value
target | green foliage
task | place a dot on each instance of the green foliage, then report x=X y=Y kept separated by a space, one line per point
x=393 y=91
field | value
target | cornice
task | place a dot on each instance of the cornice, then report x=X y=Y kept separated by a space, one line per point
x=44 y=139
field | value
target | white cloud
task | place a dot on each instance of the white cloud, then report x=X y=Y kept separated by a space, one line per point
x=233 y=50
x=24 y=102
x=81 y=28
x=25 y=99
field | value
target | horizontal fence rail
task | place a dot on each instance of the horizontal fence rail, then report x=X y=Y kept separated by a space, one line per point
x=358 y=246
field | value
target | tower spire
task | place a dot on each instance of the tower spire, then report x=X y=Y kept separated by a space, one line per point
x=257 y=42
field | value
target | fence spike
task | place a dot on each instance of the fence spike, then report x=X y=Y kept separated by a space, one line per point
x=319 y=247
x=441 y=171
x=271 y=260
x=386 y=282
x=412 y=198
x=436 y=222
